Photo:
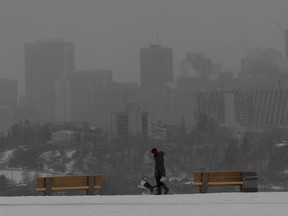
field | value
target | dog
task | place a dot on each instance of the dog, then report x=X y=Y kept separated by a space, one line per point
x=144 y=184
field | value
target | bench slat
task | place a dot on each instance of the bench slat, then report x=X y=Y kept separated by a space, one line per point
x=217 y=178
x=66 y=183
x=220 y=176
x=219 y=183
x=67 y=188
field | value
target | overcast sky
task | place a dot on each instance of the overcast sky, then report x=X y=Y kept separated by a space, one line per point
x=108 y=33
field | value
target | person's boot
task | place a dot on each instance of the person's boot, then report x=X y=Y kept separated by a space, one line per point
x=158 y=191
x=166 y=189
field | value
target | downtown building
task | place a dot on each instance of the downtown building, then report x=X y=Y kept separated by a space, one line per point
x=156 y=65
x=268 y=107
x=76 y=92
x=94 y=96
x=219 y=106
x=258 y=99
x=262 y=108
x=196 y=64
x=8 y=103
x=132 y=121
x=45 y=62
x=156 y=71
x=85 y=88
x=173 y=103
x=263 y=69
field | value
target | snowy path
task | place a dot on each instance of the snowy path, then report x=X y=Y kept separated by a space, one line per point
x=238 y=204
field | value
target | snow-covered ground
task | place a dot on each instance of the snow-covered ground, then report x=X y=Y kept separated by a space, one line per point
x=236 y=204
x=5 y=156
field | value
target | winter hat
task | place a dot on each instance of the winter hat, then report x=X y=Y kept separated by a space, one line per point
x=154 y=150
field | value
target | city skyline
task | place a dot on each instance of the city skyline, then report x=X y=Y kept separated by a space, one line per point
x=45 y=63
x=109 y=34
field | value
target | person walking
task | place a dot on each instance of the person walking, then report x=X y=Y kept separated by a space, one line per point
x=159 y=170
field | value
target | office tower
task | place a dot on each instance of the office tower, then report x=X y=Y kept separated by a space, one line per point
x=286 y=43
x=8 y=103
x=8 y=93
x=63 y=99
x=268 y=106
x=131 y=121
x=85 y=85
x=197 y=64
x=94 y=96
x=263 y=68
x=253 y=108
x=156 y=65
x=212 y=105
x=45 y=61
x=155 y=100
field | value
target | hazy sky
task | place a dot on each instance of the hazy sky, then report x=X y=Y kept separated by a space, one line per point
x=108 y=33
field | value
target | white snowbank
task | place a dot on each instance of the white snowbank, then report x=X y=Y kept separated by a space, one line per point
x=5 y=156
x=237 y=204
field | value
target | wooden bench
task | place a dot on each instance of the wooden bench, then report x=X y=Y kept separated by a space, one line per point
x=220 y=178
x=88 y=183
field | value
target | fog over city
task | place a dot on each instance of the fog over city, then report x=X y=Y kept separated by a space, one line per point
x=108 y=34
x=108 y=87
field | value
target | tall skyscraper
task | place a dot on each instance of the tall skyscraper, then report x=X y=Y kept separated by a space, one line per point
x=197 y=63
x=87 y=90
x=263 y=68
x=131 y=121
x=63 y=99
x=156 y=65
x=45 y=62
x=9 y=93
x=8 y=103
x=286 y=42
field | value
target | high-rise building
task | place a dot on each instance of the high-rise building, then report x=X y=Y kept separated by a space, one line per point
x=8 y=103
x=85 y=85
x=286 y=43
x=45 y=62
x=131 y=121
x=263 y=68
x=94 y=96
x=63 y=99
x=253 y=108
x=198 y=63
x=155 y=100
x=156 y=65
x=8 y=93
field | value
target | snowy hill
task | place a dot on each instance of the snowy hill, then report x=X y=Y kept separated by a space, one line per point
x=237 y=204
x=125 y=162
x=5 y=156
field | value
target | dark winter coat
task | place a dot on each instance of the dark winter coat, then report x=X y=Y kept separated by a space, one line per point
x=159 y=164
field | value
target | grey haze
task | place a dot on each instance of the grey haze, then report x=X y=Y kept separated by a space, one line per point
x=108 y=33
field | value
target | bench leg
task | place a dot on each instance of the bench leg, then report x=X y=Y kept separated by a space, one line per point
x=91 y=182
x=203 y=189
x=48 y=186
x=204 y=186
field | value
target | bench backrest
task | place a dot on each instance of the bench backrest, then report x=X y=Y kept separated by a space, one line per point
x=68 y=181
x=220 y=176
